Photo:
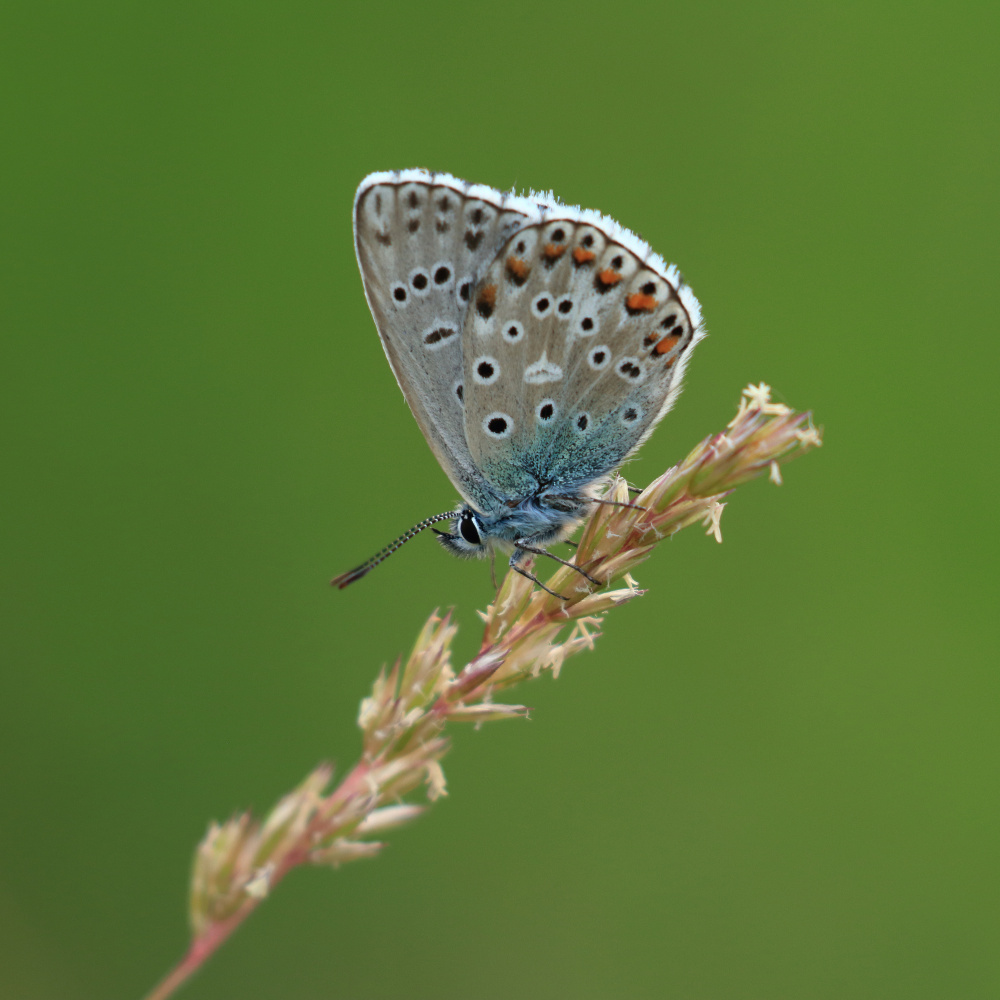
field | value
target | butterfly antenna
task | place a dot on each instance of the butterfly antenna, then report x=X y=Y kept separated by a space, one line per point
x=366 y=567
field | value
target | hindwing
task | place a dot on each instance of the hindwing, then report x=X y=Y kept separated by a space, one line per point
x=574 y=346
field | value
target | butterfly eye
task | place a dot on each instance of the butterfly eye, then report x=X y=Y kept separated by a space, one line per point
x=469 y=529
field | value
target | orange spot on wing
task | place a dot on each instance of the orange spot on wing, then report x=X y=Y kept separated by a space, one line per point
x=639 y=302
x=666 y=345
x=553 y=251
x=517 y=268
x=608 y=277
x=486 y=300
x=582 y=256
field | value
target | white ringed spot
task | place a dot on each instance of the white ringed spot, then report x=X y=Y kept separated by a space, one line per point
x=513 y=331
x=599 y=358
x=485 y=370
x=541 y=304
x=630 y=369
x=443 y=274
x=498 y=425
x=630 y=415
x=546 y=411
x=420 y=281
x=463 y=290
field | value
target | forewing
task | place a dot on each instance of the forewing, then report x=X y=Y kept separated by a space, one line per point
x=422 y=240
x=574 y=347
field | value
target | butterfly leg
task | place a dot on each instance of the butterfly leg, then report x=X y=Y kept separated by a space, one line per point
x=523 y=545
x=607 y=503
x=534 y=579
x=616 y=503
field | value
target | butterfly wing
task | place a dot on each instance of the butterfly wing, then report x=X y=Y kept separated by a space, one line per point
x=574 y=348
x=422 y=241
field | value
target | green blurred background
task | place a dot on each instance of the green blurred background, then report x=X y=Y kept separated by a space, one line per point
x=777 y=775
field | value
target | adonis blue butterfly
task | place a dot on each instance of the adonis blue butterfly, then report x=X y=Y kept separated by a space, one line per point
x=537 y=345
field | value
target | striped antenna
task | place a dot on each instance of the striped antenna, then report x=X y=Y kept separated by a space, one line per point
x=366 y=567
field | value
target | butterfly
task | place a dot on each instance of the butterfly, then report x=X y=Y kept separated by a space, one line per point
x=536 y=344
